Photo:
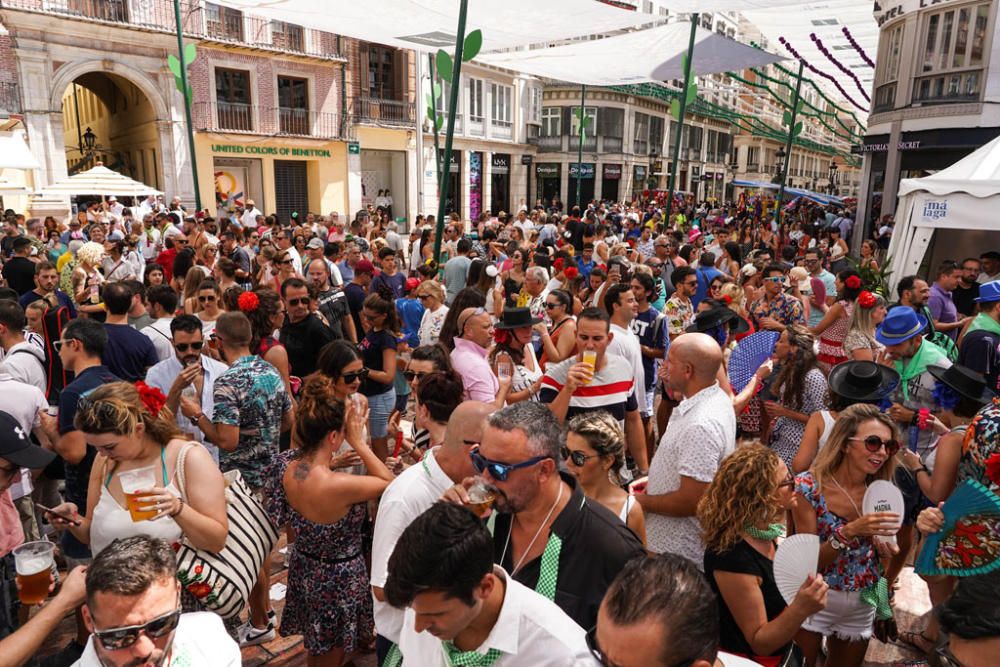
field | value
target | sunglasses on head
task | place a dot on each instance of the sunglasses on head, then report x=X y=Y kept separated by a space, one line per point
x=301 y=301
x=414 y=375
x=578 y=458
x=873 y=443
x=117 y=639
x=351 y=378
x=499 y=470
x=184 y=347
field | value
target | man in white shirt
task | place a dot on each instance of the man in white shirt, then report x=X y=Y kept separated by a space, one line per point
x=23 y=360
x=620 y=303
x=249 y=217
x=162 y=301
x=133 y=611
x=701 y=432
x=409 y=495
x=146 y=207
x=188 y=371
x=461 y=609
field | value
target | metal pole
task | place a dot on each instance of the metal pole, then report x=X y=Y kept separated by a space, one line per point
x=527 y=201
x=788 y=145
x=680 y=120
x=437 y=147
x=450 y=133
x=187 y=103
x=579 y=152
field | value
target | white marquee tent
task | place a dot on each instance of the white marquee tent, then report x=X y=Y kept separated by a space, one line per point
x=964 y=196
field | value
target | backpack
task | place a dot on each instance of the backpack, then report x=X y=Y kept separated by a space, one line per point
x=53 y=322
x=940 y=338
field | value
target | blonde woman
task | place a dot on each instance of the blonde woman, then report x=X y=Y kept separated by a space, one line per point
x=860 y=450
x=86 y=280
x=192 y=283
x=594 y=453
x=859 y=342
x=741 y=515
x=431 y=295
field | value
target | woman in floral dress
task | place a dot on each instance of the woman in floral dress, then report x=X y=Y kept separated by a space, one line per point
x=798 y=390
x=328 y=600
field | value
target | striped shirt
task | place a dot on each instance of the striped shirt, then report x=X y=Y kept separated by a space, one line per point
x=612 y=389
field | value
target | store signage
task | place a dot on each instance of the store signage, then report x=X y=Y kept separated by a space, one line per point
x=547 y=170
x=888 y=10
x=283 y=151
x=935 y=210
x=501 y=163
x=612 y=171
x=354 y=148
x=860 y=149
x=586 y=172
x=708 y=176
x=719 y=176
x=527 y=159
x=640 y=171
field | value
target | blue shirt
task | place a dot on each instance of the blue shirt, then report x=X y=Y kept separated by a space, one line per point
x=411 y=311
x=129 y=353
x=346 y=272
x=585 y=267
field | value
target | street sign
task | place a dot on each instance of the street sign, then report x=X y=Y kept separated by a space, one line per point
x=353 y=148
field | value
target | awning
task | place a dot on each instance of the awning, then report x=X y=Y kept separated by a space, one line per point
x=762 y=185
x=8 y=188
x=14 y=152
x=642 y=56
x=817 y=197
x=99 y=181
x=428 y=25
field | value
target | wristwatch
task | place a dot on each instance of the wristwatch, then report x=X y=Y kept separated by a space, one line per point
x=837 y=544
x=196 y=418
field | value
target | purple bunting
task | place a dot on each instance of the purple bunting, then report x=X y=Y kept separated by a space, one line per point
x=857 y=47
x=820 y=72
x=843 y=68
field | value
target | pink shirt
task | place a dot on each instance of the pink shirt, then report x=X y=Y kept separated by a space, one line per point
x=470 y=362
x=11 y=533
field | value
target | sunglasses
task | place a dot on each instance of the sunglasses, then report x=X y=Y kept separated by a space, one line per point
x=184 y=347
x=118 y=639
x=413 y=375
x=578 y=458
x=351 y=378
x=775 y=279
x=789 y=482
x=423 y=296
x=301 y=301
x=206 y=299
x=873 y=443
x=181 y=241
x=59 y=343
x=499 y=470
x=284 y=261
x=550 y=306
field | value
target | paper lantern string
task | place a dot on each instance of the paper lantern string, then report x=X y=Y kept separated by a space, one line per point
x=829 y=56
x=812 y=68
x=857 y=47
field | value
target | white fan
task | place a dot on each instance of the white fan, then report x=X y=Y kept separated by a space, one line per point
x=883 y=496
x=795 y=560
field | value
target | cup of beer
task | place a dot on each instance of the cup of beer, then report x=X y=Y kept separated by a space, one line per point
x=136 y=485
x=480 y=498
x=590 y=358
x=33 y=563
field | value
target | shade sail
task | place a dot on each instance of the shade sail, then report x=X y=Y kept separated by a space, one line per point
x=977 y=174
x=99 y=181
x=655 y=54
x=14 y=153
x=427 y=25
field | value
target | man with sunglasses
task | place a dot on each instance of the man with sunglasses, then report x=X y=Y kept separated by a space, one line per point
x=303 y=333
x=133 y=609
x=188 y=371
x=775 y=310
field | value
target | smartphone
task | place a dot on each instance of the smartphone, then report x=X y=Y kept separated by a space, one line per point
x=399 y=443
x=62 y=516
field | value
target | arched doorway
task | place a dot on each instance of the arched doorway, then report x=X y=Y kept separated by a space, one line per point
x=107 y=118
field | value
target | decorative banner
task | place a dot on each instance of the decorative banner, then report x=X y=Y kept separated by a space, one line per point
x=791 y=49
x=230 y=187
x=475 y=184
x=841 y=66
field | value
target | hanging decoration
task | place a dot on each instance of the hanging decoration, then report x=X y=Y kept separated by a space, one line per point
x=843 y=68
x=857 y=47
x=812 y=68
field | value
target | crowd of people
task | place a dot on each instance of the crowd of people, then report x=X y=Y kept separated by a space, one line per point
x=541 y=447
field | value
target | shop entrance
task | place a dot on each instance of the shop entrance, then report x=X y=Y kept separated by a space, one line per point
x=548 y=182
x=291 y=189
x=586 y=184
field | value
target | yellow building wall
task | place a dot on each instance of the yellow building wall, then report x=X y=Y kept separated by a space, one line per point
x=384 y=139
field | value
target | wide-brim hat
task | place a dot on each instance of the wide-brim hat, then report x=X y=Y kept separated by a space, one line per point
x=16 y=448
x=516 y=318
x=863 y=381
x=964 y=381
x=709 y=319
x=900 y=325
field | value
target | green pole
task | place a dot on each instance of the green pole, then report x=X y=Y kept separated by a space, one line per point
x=672 y=179
x=434 y=128
x=788 y=144
x=579 y=152
x=450 y=133
x=187 y=103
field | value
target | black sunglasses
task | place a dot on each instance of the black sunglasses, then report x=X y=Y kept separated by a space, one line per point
x=117 y=639
x=206 y=299
x=301 y=301
x=351 y=378
x=499 y=470
x=184 y=347
x=284 y=261
x=578 y=458
x=873 y=443
x=413 y=375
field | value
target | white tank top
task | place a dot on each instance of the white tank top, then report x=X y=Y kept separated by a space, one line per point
x=828 y=422
x=626 y=508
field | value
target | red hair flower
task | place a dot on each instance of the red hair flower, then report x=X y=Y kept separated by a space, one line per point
x=152 y=398
x=558 y=265
x=993 y=468
x=501 y=336
x=854 y=282
x=248 y=302
x=866 y=299
x=571 y=272
x=728 y=299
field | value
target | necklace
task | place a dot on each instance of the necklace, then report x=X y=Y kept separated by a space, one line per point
x=520 y=561
x=849 y=499
x=771 y=533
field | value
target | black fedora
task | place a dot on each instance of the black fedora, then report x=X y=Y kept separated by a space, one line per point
x=709 y=319
x=964 y=381
x=515 y=318
x=863 y=381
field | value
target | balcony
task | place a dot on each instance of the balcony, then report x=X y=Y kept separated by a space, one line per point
x=501 y=129
x=10 y=99
x=952 y=88
x=251 y=119
x=377 y=111
x=477 y=126
x=547 y=144
x=201 y=20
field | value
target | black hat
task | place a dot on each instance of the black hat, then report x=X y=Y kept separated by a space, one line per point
x=17 y=448
x=964 y=381
x=714 y=317
x=863 y=381
x=515 y=318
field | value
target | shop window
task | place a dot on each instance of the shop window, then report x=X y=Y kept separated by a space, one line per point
x=951 y=59
x=293 y=105
x=501 y=105
x=232 y=97
x=640 y=143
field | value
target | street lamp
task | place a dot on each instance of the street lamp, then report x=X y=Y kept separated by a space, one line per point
x=89 y=140
x=652 y=180
x=780 y=155
x=833 y=176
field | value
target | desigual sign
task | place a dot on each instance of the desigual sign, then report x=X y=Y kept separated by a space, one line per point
x=281 y=151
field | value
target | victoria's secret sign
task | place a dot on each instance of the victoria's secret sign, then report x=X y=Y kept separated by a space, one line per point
x=860 y=149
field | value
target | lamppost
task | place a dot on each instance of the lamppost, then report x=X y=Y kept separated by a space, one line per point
x=833 y=177
x=652 y=180
x=730 y=190
x=89 y=147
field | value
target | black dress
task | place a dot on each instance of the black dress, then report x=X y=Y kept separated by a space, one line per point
x=743 y=559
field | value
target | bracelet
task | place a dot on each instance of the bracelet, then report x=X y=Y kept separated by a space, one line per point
x=842 y=537
x=922 y=469
x=180 y=508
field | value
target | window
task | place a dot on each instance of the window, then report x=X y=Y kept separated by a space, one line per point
x=656 y=125
x=232 y=96
x=223 y=22
x=551 y=121
x=381 y=72
x=951 y=59
x=293 y=105
x=640 y=144
x=287 y=36
x=502 y=104
x=574 y=125
x=534 y=105
x=476 y=100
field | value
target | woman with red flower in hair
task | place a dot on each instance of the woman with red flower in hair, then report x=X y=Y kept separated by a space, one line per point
x=513 y=354
x=136 y=437
x=832 y=329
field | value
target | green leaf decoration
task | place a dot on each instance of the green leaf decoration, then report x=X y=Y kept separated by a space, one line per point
x=786 y=118
x=430 y=112
x=692 y=93
x=190 y=53
x=443 y=62
x=174 y=65
x=798 y=107
x=684 y=63
x=797 y=130
x=438 y=122
x=436 y=87
x=675 y=108
x=586 y=121
x=473 y=42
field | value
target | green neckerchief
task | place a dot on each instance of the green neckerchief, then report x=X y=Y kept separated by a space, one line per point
x=927 y=354
x=457 y=658
x=984 y=322
x=393 y=658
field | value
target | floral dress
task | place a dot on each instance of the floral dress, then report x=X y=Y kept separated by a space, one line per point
x=831 y=341
x=855 y=568
x=328 y=600
x=786 y=435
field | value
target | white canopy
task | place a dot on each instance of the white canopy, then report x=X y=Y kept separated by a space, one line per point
x=99 y=181
x=14 y=153
x=8 y=188
x=427 y=25
x=964 y=196
x=655 y=54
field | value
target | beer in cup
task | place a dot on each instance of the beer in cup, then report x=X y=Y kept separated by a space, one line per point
x=590 y=358
x=136 y=484
x=480 y=498
x=33 y=563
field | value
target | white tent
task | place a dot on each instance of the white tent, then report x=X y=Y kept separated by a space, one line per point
x=99 y=181
x=964 y=196
x=14 y=153
x=8 y=188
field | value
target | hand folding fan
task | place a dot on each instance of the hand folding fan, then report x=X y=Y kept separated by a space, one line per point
x=883 y=496
x=969 y=541
x=795 y=560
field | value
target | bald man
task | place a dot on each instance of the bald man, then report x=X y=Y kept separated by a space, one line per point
x=701 y=432
x=473 y=337
x=411 y=494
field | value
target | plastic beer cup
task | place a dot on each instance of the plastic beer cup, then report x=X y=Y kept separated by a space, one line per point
x=590 y=358
x=480 y=498
x=136 y=484
x=33 y=563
